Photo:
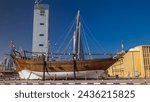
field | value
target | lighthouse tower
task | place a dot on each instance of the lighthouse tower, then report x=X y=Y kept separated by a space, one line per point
x=40 y=28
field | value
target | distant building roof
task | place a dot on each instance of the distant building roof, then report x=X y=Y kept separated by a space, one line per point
x=135 y=49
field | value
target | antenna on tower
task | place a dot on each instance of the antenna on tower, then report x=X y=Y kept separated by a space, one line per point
x=38 y=1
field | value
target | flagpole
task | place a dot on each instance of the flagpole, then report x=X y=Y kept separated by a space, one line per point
x=122 y=45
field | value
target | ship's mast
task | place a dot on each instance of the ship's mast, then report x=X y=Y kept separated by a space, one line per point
x=47 y=51
x=77 y=21
x=77 y=38
x=79 y=42
x=75 y=44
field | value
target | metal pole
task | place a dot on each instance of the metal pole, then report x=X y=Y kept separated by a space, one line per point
x=74 y=66
x=44 y=67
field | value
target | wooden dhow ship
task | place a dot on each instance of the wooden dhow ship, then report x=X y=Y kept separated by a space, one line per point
x=43 y=66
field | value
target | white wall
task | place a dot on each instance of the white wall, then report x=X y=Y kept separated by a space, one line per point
x=40 y=29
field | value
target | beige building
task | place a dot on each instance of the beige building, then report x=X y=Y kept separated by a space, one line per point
x=134 y=63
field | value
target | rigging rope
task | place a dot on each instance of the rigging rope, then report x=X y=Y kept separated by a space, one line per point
x=67 y=36
x=87 y=36
x=86 y=43
x=67 y=47
x=67 y=30
x=90 y=32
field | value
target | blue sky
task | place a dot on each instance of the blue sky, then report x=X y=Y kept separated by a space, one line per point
x=111 y=21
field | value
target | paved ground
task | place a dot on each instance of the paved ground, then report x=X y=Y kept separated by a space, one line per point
x=14 y=80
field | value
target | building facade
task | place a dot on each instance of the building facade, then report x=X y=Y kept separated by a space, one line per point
x=40 y=28
x=7 y=65
x=134 y=64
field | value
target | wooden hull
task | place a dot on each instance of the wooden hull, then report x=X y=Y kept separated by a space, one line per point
x=33 y=68
x=63 y=66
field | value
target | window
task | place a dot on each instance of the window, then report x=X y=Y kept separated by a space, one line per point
x=42 y=12
x=41 y=23
x=41 y=44
x=41 y=34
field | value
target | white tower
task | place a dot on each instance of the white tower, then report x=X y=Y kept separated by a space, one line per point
x=40 y=28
